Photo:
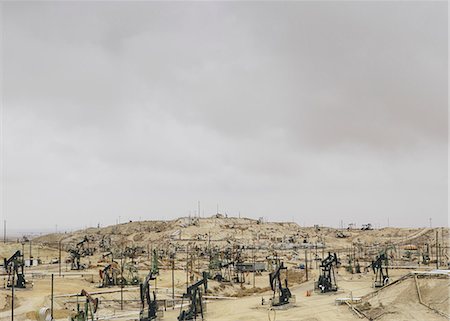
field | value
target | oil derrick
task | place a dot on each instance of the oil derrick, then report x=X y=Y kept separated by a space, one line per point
x=327 y=278
x=149 y=306
x=281 y=295
x=88 y=311
x=194 y=295
x=381 y=273
x=14 y=269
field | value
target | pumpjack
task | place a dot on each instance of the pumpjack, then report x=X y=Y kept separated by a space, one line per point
x=82 y=249
x=381 y=273
x=14 y=269
x=281 y=295
x=194 y=294
x=75 y=258
x=79 y=251
x=109 y=275
x=152 y=306
x=327 y=278
x=90 y=308
x=130 y=274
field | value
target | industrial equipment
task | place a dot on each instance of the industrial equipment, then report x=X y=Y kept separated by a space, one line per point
x=75 y=258
x=341 y=235
x=194 y=294
x=327 y=278
x=155 y=268
x=357 y=267
x=239 y=275
x=81 y=249
x=130 y=274
x=89 y=310
x=109 y=276
x=426 y=255
x=381 y=272
x=281 y=294
x=149 y=313
x=366 y=227
x=14 y=269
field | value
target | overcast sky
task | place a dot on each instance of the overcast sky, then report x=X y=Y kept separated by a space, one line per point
x=313 y=112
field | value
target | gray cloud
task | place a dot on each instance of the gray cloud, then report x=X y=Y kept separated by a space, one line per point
x=317 y=111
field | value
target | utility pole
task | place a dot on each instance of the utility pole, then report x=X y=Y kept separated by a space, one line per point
x=121 y=281
x=254 y=266
x=4 y=231
x=173 y=280
x=59 y=259
x=51 y=306
x=12 y=296
x=306 y=263
x=199 y=209
x=187 y=266
x=437 y=251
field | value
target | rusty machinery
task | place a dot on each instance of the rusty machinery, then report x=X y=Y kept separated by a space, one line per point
x=149 y=306
x=109 y=275
x=327 y=278
x=114 y=274
x=88 y=311
x=194 y=294
x=380 y=269
x=14 y=268
x=281 y=295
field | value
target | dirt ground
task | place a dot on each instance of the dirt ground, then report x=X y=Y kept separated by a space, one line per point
x=397 y=300
x=229 y=301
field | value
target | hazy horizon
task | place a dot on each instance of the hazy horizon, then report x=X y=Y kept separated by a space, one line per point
x=313 y=112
